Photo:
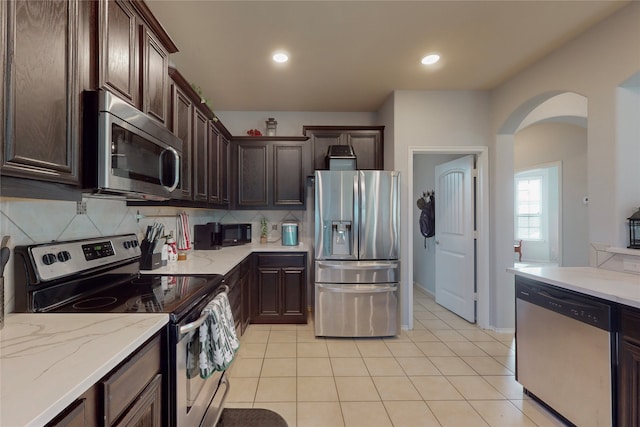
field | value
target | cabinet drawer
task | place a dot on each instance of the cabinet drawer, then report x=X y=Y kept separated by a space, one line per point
x=129 y=380
x=282 y=260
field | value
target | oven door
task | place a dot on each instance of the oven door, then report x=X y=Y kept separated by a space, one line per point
x=197 y=399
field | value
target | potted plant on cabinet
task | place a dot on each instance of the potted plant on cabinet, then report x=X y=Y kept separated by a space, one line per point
x=263 y=230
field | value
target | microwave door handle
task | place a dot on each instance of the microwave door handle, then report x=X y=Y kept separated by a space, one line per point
x=176 y=162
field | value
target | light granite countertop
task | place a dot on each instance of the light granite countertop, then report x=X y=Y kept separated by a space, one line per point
x=623 y=288
x=48 y=360
x=223 y=260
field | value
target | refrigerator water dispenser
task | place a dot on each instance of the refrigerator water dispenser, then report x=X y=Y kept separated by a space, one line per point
x=341 y=238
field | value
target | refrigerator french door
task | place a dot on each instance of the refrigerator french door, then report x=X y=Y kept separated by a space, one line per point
x=357 y=266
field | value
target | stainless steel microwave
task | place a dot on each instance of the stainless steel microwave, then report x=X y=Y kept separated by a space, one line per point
x=126 y=152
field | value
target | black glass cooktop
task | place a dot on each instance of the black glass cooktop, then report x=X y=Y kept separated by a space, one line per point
x=141 y=294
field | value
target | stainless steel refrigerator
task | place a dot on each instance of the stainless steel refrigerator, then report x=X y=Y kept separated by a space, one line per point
x=357 y=265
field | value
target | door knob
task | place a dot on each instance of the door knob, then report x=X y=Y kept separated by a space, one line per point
x=437 y=242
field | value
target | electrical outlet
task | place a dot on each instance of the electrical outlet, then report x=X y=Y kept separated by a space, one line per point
x=81 y=208
x=628 y=265
x=274 y=227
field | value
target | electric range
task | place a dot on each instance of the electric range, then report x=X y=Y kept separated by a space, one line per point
x=102 y=275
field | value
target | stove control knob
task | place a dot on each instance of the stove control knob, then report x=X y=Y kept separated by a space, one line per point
x=127 y=244
x=134 y=243
x=48 y=259
x=64 y=256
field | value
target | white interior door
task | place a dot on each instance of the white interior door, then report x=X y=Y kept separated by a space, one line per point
x=455 y=237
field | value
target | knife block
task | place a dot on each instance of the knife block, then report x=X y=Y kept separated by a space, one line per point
x=149 y=260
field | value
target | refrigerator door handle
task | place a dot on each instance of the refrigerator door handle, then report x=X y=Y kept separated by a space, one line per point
x=359 y=289
x=355 y=233
x=378 y=265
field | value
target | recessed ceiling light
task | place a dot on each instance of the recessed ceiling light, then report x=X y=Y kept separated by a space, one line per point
x=430 y=59
x=280 y=57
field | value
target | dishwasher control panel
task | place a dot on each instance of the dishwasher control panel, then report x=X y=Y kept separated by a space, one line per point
x=580 y=307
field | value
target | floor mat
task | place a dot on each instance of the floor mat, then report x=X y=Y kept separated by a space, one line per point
x=243 y=417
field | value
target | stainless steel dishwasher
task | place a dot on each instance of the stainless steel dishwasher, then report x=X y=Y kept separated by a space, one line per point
x=565 y=352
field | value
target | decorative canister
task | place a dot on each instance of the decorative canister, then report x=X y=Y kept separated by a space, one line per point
x=271 y=126
x=289 y=234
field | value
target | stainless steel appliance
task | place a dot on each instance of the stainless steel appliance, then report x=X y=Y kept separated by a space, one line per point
x=357 y=265
x=565 y=352
x=341 y=157
x=126 y=152
x=100 y=275
x=214 y=235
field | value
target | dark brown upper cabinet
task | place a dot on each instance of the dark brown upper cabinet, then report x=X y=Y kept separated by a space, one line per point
x=367 y=143
x=269 y=172
x=117 y=55
x=182 y=114
x=155 y=78
x=218 y=165
x=133 y=56
x=43 y=44
x=200 y=153
x=205 y=141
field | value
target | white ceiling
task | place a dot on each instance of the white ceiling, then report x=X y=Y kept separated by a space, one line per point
x=350 y=55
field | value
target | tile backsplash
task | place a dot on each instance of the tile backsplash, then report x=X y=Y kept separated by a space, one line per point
x=29 y=221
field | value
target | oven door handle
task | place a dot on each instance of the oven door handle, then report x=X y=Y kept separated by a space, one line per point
x=196 y=323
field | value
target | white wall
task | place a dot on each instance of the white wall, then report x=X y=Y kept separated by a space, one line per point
x=430 y=119
x=594 y=64
x=290 y=123
x=545 y=143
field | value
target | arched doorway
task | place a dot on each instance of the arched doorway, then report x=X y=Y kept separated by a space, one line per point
x=550 y=152
x=548 y=106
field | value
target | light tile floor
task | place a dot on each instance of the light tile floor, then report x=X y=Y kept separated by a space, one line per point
x=445 y=372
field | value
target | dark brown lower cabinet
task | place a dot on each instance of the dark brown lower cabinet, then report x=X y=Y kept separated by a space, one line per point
x=73 y=416
x=146 y=410
x=629 y=368
x=279 y=291
x=129 y=396
x=238 y=280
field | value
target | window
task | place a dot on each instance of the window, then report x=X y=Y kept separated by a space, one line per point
x=529 y=208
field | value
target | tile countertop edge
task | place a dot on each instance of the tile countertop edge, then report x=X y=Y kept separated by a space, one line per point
x=614 y=286
x=72 y=351
x=222 y=261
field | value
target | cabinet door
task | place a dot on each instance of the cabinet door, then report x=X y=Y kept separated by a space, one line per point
x=118 y=58
x=629 y=369
x=289 y=175
x=629 y=402
x=214 y=164
x=146 y=410
x=200 y=152
x=367 y=146
x=245 y=285
x=42 y=94
x=182 y=127
x=155 y=77
x=223 y=167
x=293 y=286
x=253 y=178
x=267 y=294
